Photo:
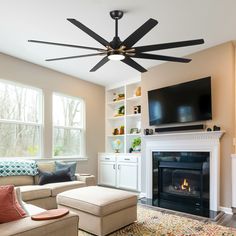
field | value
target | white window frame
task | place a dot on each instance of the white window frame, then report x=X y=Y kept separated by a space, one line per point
x=17 y=122
x=82 y=128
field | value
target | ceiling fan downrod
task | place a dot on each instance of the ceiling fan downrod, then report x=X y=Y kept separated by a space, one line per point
x=116 y=15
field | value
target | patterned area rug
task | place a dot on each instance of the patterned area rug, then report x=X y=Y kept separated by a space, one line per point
x=156 y=223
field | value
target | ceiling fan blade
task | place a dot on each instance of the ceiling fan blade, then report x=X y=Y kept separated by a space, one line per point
x=89 y=32
x=155 y=47
x=67 y=45
x=73 y=57
x=100 y=64
x=133 y=64
x=161 y=57
x=139 y=33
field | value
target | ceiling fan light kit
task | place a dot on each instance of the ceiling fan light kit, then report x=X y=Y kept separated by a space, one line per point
x=115 y=56
x=124 y=51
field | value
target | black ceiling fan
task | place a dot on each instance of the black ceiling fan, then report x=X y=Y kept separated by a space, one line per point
x=124 y=50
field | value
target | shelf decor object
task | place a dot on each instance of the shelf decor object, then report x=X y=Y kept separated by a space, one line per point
x=136 y=145
x=138 y=91
x=118 y=97
x=117 y=145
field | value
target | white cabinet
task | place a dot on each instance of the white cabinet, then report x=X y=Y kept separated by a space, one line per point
x=127 y=176
x=120 y=170
x=108 y=173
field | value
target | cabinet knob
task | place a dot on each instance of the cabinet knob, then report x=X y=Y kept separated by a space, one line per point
x=127 y=159
x=114 y=166
x=118 y=167
x=107 y=158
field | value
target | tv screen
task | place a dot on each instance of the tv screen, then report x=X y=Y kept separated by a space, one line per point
x=181 y=103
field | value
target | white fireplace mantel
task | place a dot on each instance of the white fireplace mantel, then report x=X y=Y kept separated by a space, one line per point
x=186 y=142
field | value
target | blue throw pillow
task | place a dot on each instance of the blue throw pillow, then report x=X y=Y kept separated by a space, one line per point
x=46 y=177
x=64 y=165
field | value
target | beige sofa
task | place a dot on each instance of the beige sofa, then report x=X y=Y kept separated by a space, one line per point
x=64 y=226
x=44 y=196
x=40 y=197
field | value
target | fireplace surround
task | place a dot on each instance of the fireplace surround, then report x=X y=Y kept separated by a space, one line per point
x=185 y=142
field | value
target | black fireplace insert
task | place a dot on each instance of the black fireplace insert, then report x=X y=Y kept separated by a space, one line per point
x=181 y=181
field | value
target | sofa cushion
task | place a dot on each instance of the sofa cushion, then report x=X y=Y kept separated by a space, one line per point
x=10 y=207
x=97 y=200
x=17 y=180
x=57 y=188
x=64 y=165
x=58 y=176
x=32 y=192
x=44 y=166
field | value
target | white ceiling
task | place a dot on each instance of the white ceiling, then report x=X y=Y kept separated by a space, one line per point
x=20 y=20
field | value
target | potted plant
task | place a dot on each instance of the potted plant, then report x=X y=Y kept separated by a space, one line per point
x=136 y=145
x=120 y=111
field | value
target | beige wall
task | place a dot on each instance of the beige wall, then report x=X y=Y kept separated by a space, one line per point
x=49 y=81
x=217 y=62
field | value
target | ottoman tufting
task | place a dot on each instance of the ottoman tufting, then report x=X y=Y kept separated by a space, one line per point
x=101 y=210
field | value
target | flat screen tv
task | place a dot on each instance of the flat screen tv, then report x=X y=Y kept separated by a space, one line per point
x=181 y=103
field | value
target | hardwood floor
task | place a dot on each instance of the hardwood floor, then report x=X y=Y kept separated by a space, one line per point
x=228 y=220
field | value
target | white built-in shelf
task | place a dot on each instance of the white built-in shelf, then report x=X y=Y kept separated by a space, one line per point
x=117 y=89
x=116 y=102
x=118 y=135
x=134 y=115
x=129 y=120
x=133 y=98
x=139 y=134
x=116 y=118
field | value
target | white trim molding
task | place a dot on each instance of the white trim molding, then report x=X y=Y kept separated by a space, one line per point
x=226 y=210
x=233 y=164
x=187 y=142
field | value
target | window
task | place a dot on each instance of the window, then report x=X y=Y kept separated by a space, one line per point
x=68 y=126
x=20 y=120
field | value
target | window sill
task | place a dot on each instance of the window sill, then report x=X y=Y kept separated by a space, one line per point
x=58 y=159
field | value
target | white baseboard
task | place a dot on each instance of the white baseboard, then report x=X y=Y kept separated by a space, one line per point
x=226 y=210
x=142 y=195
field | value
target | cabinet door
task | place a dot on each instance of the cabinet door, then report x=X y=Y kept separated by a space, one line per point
x=107 y=174
x=127 y=176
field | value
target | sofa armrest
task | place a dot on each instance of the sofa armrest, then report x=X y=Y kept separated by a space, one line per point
x=67 y=225
x=88 y=179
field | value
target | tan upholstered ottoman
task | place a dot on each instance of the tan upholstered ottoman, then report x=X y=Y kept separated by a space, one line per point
x=101 y=210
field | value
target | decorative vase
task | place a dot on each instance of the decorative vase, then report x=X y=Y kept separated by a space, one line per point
x=138 y=91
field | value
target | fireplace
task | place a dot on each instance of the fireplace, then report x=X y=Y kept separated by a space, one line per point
x=181 y=181
x=174 y=150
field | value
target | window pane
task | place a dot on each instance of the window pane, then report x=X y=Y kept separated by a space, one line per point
x=19 y=103
x=19 y=140
x=67 y=142
x=67 y=111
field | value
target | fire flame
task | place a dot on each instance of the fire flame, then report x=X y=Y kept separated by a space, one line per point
x=185 y=186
